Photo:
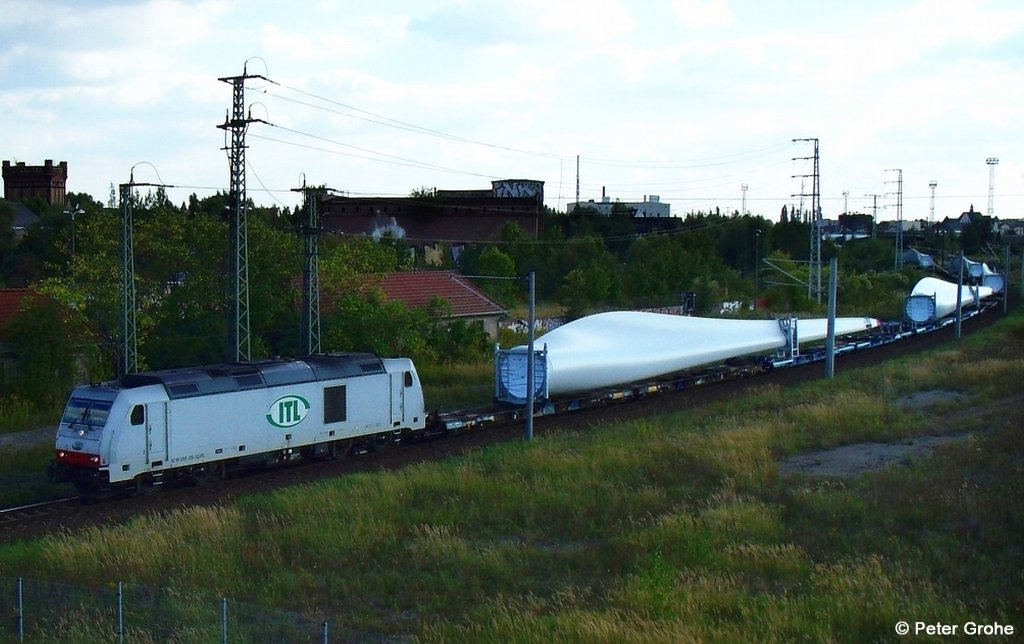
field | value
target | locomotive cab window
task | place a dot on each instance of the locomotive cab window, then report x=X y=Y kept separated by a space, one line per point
x=138 y=416
x=408 y=379
x=335 y=404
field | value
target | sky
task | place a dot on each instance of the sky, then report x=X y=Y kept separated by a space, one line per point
x=690 y=100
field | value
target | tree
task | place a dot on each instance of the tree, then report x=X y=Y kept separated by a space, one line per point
x=50 y=352
x=792 y=238
x=975 y=234
x=494 y=262
x=660 y=269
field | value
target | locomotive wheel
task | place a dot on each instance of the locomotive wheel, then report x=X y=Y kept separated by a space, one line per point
x=202 y=474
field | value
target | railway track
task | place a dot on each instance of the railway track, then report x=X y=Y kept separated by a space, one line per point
x=48 y=517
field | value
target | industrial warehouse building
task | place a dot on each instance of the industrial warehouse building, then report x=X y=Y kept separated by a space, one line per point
x=441 y=215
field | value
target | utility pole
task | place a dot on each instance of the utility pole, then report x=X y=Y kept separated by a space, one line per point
x=898 y=263
x=830 y=333
x=311 y=230
x=814 y=281
x=237 y=124
x=743 y=204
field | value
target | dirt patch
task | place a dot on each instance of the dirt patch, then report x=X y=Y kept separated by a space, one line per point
x=853 y=460
x=923 y=400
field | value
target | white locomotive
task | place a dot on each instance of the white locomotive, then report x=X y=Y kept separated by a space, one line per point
x=198 y=423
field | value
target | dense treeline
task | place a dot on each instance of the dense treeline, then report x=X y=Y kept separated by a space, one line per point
x=584 y=263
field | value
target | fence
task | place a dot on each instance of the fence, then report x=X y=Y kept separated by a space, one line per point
x=46 y=611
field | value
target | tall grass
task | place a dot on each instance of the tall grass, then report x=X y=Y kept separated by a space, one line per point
x=17 y=414
x=23 y=477
x=457 y=386
x=676 y=528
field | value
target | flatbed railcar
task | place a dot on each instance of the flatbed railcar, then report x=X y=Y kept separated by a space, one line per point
x=194 y=424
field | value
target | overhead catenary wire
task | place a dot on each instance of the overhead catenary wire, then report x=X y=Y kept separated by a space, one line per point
x=379 y=119
x=690 y=190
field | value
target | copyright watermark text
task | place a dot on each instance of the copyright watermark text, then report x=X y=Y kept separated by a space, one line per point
x=967 y=628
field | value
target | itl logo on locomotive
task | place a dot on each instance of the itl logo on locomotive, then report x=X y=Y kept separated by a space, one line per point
x=288 y=411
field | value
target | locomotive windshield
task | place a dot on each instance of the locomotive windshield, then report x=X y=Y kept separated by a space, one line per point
x=85 y=413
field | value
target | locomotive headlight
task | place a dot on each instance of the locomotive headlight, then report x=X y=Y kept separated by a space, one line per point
x=62 y=454
x=81 y=432
x=94 y=459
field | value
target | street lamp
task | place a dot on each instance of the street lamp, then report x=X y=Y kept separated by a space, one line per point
x=74 y=211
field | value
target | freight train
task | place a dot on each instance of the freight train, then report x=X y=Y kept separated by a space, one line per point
x=196 y=424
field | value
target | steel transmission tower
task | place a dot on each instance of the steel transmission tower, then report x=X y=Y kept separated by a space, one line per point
x=991 y=161
x=129 y=362
x=814 y=278
x=237 y=124
x=898 y=262
x=874 y=212
x=311 y=230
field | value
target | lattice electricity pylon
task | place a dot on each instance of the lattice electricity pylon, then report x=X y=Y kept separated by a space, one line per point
x=898 y=262
x=311 y=230
x=129 y=362
x=239 y=297
x=817 y=228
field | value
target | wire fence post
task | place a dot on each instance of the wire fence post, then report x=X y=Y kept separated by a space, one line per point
x=120 y=613
x=323 y=632
x=20 y=597
x=224 y=620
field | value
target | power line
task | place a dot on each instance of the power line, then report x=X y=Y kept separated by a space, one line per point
x=380 y=119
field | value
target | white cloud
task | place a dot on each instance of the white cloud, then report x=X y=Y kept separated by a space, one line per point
x=700 y=14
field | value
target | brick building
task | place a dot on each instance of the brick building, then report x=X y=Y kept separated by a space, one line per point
x=454 y=216
x=47 y=181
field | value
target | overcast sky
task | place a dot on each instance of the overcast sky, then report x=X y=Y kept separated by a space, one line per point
x=686 y=99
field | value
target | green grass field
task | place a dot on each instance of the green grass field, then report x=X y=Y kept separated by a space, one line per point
x=673 y=528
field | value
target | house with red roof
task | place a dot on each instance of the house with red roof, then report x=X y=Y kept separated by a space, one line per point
x=10 y=302
x=417 y=289
x=467 y=302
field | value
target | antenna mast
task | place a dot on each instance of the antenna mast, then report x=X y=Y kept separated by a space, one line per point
x=238 y=326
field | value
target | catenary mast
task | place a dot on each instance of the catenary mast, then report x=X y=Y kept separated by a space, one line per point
x=237 y=124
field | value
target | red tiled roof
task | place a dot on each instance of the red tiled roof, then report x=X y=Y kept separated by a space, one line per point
x=417 y=289
x=10 y=302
